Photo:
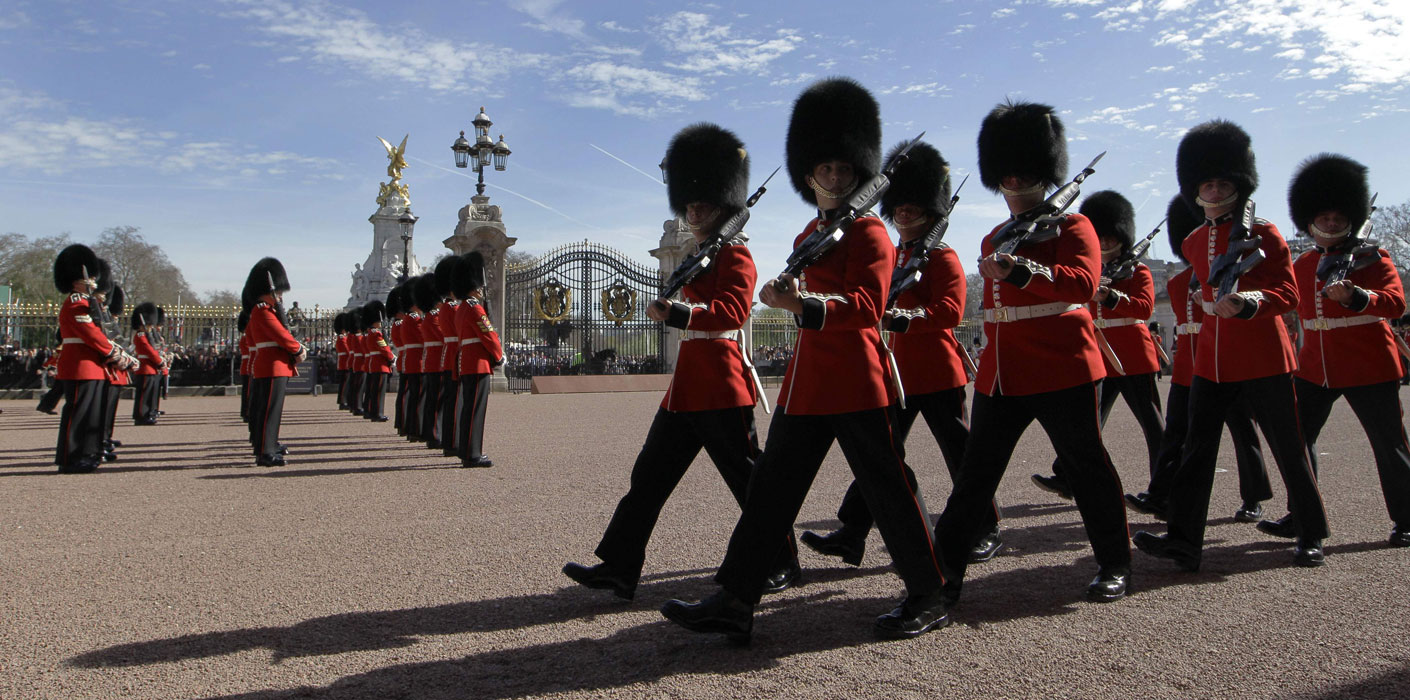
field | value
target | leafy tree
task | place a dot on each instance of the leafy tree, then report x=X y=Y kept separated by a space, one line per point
x=142 y=269
x=1391 y=226
x=28 y=265
x=973 y=295
x=222 y=297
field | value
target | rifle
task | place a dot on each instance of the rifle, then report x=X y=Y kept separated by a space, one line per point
x=1124 y=266
x=1356 y=253
x=1226 y=269
x=1041 y=222
x=908 y=275
x=826 y=236
x=698 y=262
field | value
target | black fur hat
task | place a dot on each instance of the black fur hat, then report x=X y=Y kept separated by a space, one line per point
x=116 y=300
x=1328 y=181
x=1025 y=139
x=445 y=271
x=423 y=289
x=1180 y=220
x=1216 y=149
x=144 y=315
x=373 y=312
x=105 y=277
x=706 y=163
x=834 y=119
x=923 y=180
x=469 y=274
x=394 y=304
x=161 y=316
x=73 y=264
x=266 y=276
x=242 y=320
x=1111 y=215
x=338 y=322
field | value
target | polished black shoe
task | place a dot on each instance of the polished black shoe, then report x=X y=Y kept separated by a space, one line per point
x=838 y=543
x=86 y=465
x=1309 y=553
x=1145 y=503
x=1250 y=512
x=378 y=419
x=1053 y=484
x=433 y=443
x=269 y=461
x=114 y=443
x=1162 y=547
x=357 y=412
x=49 y=411
x=1282 y=527
x=721 y=613
x=784 y=579
x=481 y=462
x=916 y=615
x=110 y=456
x=602 y=577
x=988 y=546
x=283 y=449
x=1400 y=537
x=1109 y=585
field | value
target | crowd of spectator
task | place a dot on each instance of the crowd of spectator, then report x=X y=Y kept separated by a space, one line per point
x=772 y=360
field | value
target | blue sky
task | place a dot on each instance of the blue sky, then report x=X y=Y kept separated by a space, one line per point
x=231 y=130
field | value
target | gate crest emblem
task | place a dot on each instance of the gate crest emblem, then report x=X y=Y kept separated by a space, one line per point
x=552 y=301
x=619 y=302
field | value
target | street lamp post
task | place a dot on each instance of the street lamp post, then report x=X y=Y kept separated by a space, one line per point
x=407 y=220
x=482 y=152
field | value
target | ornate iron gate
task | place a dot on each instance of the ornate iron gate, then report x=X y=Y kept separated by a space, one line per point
x=580 y=309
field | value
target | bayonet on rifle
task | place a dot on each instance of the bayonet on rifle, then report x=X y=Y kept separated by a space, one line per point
x=908 y=275
x=697 y=263
x=1040 y=223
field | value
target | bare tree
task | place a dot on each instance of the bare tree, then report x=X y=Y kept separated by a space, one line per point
x=973 y=295
x=1391 y=226
x=141 y=268
x=222 y=297
x=28 y=265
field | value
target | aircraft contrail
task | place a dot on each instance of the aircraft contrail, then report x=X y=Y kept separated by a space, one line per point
x=505 y=189
x=649 y=176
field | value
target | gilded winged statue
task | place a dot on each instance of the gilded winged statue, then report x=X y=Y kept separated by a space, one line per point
x=396 y=156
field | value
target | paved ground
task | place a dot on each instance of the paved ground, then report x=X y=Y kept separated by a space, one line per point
x=369 y=568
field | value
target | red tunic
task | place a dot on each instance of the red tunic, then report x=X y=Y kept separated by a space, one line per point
x=398 y=341
x=1132 y=343
x=710 y=372
x=479 y=343
x=1187 y=311
x=147 y=354
x=275 y=347
x=927 y=353
x=412 y=349
x=86 y=347
x=432 y=342
x=341 y=347
x=357 y=342
x=450 y=337
x=1048 y=353
x=379 y=355
x=1353 y=355
x=247 y=353
x=839 y=366
x=1234 y=349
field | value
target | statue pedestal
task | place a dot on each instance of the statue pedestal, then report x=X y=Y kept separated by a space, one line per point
x=382 y=269
x=481 y=227
x=675 y=244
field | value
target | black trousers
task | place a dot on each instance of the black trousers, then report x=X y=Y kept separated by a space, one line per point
x=268 y=401
x=792 y=455
x=374 y=389
x=675 y=438
x=1143 y=398
x=409 y=406
x=112 y=394
x=429 y=412
x=81 y=424
x=343 y=388
x=245 y=397
x=1378 y=408
x=947 y=416
x=399 y=404
x=355 y=400
x=470 y=423
x=1274 y=405
x=1071 y=419
x=450 y=415
x=1248 y=453
x=165 y=384
x=146 y=398
x=50 y=399
x=259 y=401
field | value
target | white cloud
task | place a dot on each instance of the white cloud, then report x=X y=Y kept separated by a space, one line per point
x=925 y=89
x=1004 y=12
x=603 y=85
x=613 y=26
x=548 y=18
x=201 y=67
x=714 y=48
x=15 y=19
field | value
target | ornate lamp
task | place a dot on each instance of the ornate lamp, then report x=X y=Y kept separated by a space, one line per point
x=482 y=152
x=407 y=221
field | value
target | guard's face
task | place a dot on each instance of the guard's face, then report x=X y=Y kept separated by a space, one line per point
x=908 y=216
x=1217 y=190
x=1330 y=227
x=1111 y=248
x=700 y=213
x=1017 y=183
x=834 y=175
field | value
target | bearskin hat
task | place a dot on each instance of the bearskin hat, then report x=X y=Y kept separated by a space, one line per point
x=1180 y=220
x=834 y=119
x=445 y=271
x=423 y=289
x=706 y=163
x=105 y=277
x=469 y=274
x=394 y=304
x=73 y=264
x=266 y=276
x=1112 y=216
x=1023 y=139
x=338 y=322
x=1329 y=182
x=1216 y=149
x=242 y=320
x=373 y=312
x=923 y=180
x=161 y=316
x=144 y=315
x=116 y=300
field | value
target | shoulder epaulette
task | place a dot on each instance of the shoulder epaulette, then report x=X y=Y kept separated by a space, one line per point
x=77 y=296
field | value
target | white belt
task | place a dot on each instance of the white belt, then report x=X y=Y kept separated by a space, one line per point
x=144 y=357
x=266 y=345
x=431 y=344
x=1006 y=314
x=470 y=341
x=73 y=341
x=1324 y=324
x=1115 y=322
x=710 y=335
x=411 y=345
x=1187 y=329
x=452 y=339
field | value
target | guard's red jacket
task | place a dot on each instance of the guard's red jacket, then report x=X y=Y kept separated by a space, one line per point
x=1187 y=310
x=147 y=354
x=247 y=353
x=710 y=372
x=839 y=364
x=396 y=339
x=1131 y=298
x=412 y=349
x=1238 y=349
x=275 y=348
x=1353 y=355
x=432 y=341
x=448 y=320
x=340 y=346
x=357 y=342
x=479 y=343
x=927 y=352
x=1049 y=353
x=379 y=355
x=86 y=346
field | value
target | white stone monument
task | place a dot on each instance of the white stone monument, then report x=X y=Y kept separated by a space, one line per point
x=382 y=269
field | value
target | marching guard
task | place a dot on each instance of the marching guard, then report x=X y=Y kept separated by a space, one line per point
x=148 y=389
x=412 y=358
x=112 y=299
x=276 y=355
x=423 y=289
x=379 y=361
x=344 y=356
x=447 y=309
x=480 y=353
